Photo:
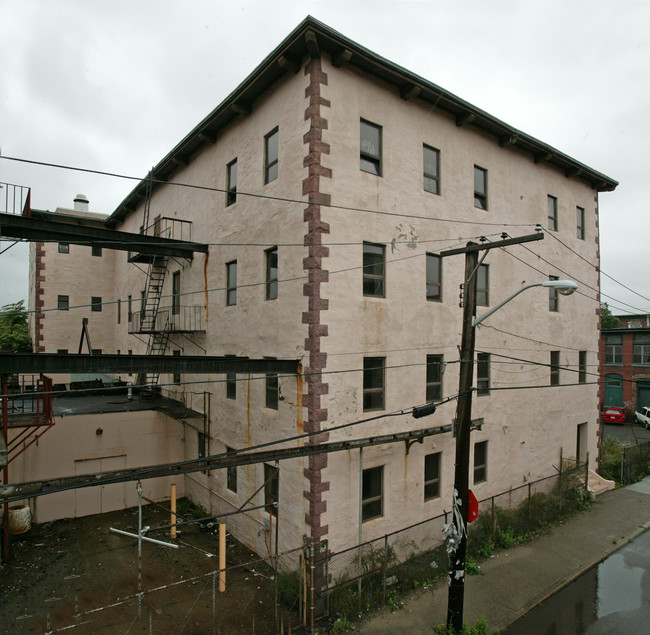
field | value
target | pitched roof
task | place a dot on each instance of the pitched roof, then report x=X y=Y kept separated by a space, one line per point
x=312 y=38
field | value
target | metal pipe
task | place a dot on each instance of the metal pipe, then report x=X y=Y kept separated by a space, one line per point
x=146 y=538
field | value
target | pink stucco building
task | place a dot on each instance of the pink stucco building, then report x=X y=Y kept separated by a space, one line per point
x=327 y=185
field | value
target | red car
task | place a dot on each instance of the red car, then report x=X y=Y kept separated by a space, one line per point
x=614 y=415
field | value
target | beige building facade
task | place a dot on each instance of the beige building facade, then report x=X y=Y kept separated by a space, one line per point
x=327 y=185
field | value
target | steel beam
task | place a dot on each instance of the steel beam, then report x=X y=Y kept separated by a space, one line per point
x=79 y=233
x=19 y=491
x=35 y=363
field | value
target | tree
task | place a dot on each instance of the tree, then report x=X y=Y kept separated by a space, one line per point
x=14 y=333
x=607 y=320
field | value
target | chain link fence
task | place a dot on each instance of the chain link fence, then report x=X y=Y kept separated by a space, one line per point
x=293 y=590
x=635 y=462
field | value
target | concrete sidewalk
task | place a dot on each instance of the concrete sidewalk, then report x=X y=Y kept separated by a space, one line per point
x=517 y=579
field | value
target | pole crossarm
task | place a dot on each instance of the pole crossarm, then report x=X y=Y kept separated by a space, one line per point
x=493 y=245
x=78 y=233
x=19 y=491
x=35 y=363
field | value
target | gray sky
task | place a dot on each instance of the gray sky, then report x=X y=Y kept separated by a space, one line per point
x=113 y=86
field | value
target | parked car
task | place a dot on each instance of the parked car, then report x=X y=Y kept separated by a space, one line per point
x=643 y=416
x=613 y=415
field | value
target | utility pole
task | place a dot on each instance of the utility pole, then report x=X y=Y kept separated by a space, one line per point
x=463 y=426
x=457 y=530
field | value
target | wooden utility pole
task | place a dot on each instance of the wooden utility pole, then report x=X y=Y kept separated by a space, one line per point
x=457 y=530
x=461 y=473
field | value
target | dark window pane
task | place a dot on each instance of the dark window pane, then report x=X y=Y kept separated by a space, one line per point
x=231 y=195
x=272 y=156
x=373 y=270
x=372 y=493
x=480 y=188
x=431 y=476
x=482 y=286
x=434 y=278
x=431 y=170
x=271 y=489
x=370 y=148
x=434 y=378
x=373 y=383
x=231 y=283
x=480 y=462
x=272 y=274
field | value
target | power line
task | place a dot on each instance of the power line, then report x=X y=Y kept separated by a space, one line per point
x=552 y=234
x=149 y=179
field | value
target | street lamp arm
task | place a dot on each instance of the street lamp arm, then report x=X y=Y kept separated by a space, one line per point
x=477 y=320
x=565 y=287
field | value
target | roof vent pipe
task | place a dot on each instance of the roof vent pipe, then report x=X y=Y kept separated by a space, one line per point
x=81 y=203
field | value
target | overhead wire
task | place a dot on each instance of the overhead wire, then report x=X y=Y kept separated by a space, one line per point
x=281 y=199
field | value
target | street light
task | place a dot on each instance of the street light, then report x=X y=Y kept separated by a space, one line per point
x=565 y=287
x=456 y=531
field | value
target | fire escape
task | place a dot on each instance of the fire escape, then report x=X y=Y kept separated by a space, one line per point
x=158 y=322
x=26 y=413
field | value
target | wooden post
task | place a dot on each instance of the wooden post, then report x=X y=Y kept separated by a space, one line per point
x=173 y=509
x=222 y=557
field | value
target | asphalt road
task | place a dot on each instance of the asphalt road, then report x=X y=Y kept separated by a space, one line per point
x=632 y=433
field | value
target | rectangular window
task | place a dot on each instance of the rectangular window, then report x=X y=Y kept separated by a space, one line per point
x=272 y=389
x=272 y=273
x=271 y=156
x=553 y=296
x=119 y=311
x=483 y=285
x=61 y=351
x=432 y=476
x=431 y=170
x=480 y=462
x=231 y=283
x=231 y=474
x=613 y=349
x=552 y=212
x=96 y=303
x=176 y=377
x=96 y=351
x=370 y=148
x=176 y=291
x=231 y=384
x=555 y=368
x=374 y=270
x=483 y=374
x=580 y=223
x=480 y=188
x=641 y=348
x=434 y=377
x=201 y=445
x=96 y=251
x=271 y=489
x=231 y=186
x=64 y=248
x=582 y=367
x=434 y=278
x=372 y=493
x=373 y=383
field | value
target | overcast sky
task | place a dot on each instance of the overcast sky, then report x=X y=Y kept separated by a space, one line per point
x=113 y=86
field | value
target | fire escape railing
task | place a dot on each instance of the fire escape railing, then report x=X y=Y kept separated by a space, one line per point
x=15 y=199
x=182 y=319
x=29 y=413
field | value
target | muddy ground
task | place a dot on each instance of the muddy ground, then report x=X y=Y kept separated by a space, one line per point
x=59 y=572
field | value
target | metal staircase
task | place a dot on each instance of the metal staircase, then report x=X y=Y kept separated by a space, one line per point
x=149 y=322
